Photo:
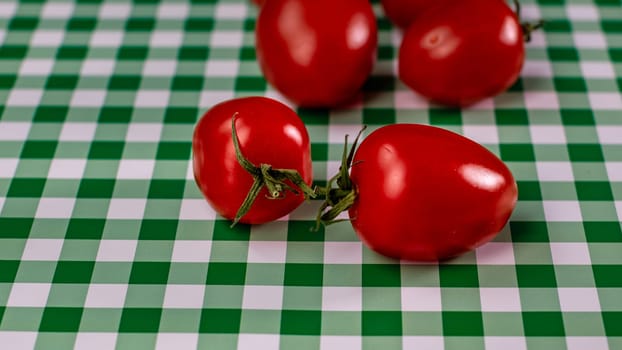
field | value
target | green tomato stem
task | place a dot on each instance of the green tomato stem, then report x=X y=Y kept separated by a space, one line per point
x=265 y=176
x=341 y=198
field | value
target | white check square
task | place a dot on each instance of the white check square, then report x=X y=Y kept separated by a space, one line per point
x=495 y=253
x=159 y=68
x=221 y=68
x=184 y=296
x=423 y=342
x=500 y=299
x=589 y=40
x=55 y=208
x=42 y=249
x=14 y=131
x=66 y=168
x=342 y=298
x=47 y=38
x=196 y=209
x=115 y=10
x=547 y=134
x=166 y=39
x=614 y=171
x=191 y=251
x=126 y=208
x=29 y=295
x=135 y=169
x=95 y=341
x=267 y=251
x=24 y=98
x=564 y=211
x=151 y=98
x=579 y=299
x=591 y=343
x=609 y=134
x=343 y=253
x=88 y=98
x=421 y=299
x=605 y=100
x=258 y=341
x=177 y=341
x=18 y=340
x=78 y=131
x=505 y=343
x=7 y=10
x=173 y=11
x=97 y=67
x=36 y=67
x=340 y=342
x=225 y=38
x=598 y=70
x=106 y=38
x=230 y=11
x=144 y=132
x=262 y=297
x=486 y=134
x=116 y=250
x=554 y=171
x=57 y=10
x=563 y=253
x=106 y=295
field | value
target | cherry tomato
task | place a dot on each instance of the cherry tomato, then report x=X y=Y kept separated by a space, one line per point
x=269 y=133
x=460 y=54
x=403 y=12
x=424 y=193
x=317 y=53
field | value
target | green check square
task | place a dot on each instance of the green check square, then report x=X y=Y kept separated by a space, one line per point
x=602 y=231
x=149 y=272
x=220 y=320
x=140 y=320
x=85 y=229
x=300 y=274
x=607 y=275
x=381 y=275
x=536 y=276
x=301 y=322
x=15 y=227
x=613 y=323
x=302 y=298
x=543 y=324
x=226 y=273
x=39 y=149
x=61 y=319
x=462 y=323
x=458 y=276
x=8 y=270
x=100 y=320
x=22 y=319
x=74 y=271
x=382 y=323
x=586 y=324
x=60 y=341
x=154 y=229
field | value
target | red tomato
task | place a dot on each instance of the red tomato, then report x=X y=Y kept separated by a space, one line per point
x=403 y=12
x=269 y=133
x=317 y=53
x=259 y=2
x=427 y=194
x=460 y=54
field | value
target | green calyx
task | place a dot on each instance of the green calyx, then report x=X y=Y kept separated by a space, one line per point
x=527 y=27
x=338 y=199
x=274 y=180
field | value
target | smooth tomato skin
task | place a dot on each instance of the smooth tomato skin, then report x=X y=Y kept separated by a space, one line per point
x=428 y=194
x=403 y=12
x=269 y=132
x=461 y=53
x=317 y=53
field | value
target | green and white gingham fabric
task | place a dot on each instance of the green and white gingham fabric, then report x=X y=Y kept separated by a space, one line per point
x=106 y=242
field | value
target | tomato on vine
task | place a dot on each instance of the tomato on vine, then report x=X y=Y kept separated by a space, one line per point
x=423 y=193
x=252 y=159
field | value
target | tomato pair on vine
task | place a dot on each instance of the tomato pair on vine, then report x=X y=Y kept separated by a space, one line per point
x=412 y=192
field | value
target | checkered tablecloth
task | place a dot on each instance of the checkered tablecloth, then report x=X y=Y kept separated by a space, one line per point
x=105 y=240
